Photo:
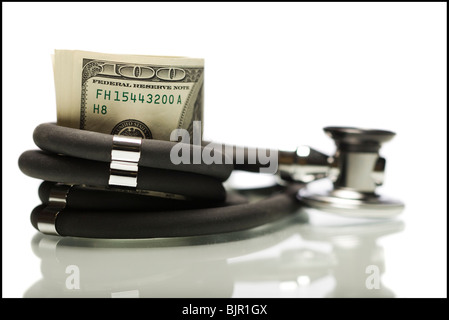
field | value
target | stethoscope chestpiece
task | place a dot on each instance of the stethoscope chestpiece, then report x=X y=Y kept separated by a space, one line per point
x=355 y=170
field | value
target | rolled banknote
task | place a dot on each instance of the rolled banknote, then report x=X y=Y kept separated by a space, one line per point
x=134 y=95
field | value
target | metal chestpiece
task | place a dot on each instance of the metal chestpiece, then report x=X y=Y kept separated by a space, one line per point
x=354 y=172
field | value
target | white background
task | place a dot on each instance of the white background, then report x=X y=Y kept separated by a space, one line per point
x=275 y=75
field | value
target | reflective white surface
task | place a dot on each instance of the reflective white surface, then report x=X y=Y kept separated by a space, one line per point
x=275 y=77
x=290 y=258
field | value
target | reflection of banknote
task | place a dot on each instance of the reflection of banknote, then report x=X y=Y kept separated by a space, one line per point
x=145 y=96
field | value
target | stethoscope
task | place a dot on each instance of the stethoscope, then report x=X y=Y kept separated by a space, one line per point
x=99 y=185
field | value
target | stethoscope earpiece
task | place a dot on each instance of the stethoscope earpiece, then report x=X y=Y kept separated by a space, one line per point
x=355 y=170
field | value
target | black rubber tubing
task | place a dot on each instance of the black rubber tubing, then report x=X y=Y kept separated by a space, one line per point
x=154 y=153
x=69 y=170
x=141 y=224
x=84 y=198
x=97 y=146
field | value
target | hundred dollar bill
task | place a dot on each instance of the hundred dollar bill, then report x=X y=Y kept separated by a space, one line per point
x=134 y=95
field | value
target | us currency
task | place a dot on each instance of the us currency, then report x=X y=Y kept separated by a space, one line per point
x=134 y=95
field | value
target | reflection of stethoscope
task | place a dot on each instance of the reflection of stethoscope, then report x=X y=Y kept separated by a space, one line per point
x=103 y=186
x=215 y=265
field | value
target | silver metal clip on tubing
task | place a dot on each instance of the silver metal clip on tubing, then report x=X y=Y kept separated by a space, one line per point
x=125 y=155
x=57 y=202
